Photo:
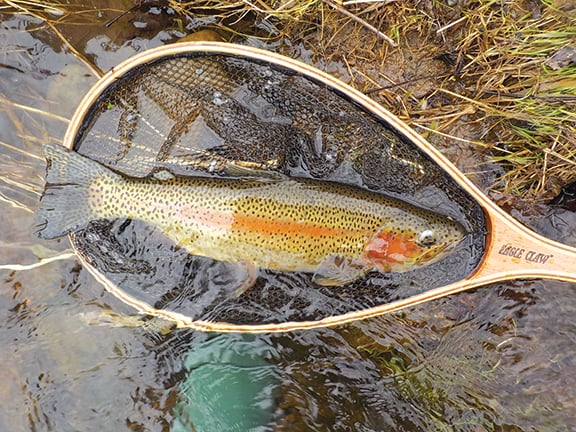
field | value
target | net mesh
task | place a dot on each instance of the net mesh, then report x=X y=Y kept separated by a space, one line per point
x=198 y=113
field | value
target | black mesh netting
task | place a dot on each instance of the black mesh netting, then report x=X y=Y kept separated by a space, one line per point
x=196 y=114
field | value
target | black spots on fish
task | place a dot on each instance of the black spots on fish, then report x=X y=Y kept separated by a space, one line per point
x=264 y=220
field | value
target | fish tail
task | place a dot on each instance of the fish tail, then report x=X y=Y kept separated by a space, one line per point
x=64 y=206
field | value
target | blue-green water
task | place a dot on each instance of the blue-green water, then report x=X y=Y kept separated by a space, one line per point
x=501 y=358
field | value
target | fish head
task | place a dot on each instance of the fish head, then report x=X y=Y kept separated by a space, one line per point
x=400 y=249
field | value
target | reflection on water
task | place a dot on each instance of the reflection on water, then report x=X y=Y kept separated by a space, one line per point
x=499 y=358
x=230 y=384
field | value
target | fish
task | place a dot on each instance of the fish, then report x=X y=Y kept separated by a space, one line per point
x=335 y=231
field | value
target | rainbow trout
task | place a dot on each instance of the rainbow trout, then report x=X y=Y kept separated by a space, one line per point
x=335 y=231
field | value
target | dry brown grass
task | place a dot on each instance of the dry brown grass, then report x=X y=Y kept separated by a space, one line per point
x=485 y=81
x=474 y=77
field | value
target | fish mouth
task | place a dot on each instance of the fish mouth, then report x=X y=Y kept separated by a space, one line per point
x=437 y=252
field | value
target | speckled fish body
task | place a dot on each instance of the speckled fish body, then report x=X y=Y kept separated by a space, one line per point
x=336 y=231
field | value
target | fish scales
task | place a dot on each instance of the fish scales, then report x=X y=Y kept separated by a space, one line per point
x=337 y=231
x=298 y=217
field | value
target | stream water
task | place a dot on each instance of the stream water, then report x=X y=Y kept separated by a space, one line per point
x=500 y=358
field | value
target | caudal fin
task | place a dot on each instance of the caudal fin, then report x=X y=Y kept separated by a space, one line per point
x=64 y=206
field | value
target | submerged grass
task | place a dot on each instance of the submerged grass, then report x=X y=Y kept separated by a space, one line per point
x=492 y=80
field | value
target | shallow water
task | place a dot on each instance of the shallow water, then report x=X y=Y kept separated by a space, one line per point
x=500 y=358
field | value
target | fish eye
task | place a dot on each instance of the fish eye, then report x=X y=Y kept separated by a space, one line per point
x=426 y=238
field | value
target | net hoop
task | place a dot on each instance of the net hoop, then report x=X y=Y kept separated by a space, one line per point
x=480 y=277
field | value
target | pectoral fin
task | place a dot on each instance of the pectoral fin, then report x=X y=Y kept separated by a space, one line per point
x=336 y=270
